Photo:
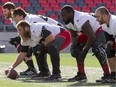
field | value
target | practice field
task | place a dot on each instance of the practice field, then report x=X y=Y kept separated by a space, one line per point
x=68 y=69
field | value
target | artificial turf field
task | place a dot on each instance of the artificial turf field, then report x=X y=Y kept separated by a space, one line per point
x=68 y=69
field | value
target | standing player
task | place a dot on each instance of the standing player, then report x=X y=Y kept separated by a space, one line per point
x=77 y=21
x=55 y=38
x=109 y=25
x=8 y=8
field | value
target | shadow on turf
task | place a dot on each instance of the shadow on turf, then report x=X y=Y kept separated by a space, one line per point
x=93 y=84
x=41 y=80
x=88 y=84
x=28 y=79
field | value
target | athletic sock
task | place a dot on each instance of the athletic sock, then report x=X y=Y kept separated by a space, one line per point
x=81 y=67
x=30 y=64
x=106 y=69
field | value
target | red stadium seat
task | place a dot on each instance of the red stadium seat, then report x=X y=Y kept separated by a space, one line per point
x=7 y=22
x=54 y=16
x=56 y=8
x=106 y=1
x=42 y=1
x=113 y=1
x=61 y=1
x=77 y=8
x=1 y=13
x=53 y=1
x=24 y=0
x=56 y=4
x=0 y=8
x=86 y=9
x=112 y=8
x=44 y=4
x=14 y=1
x=4 y=1
x=41 y=12
x=97 y=1
x=91 y=5
x=89 y=1
x=48 y=8
x=70 y=1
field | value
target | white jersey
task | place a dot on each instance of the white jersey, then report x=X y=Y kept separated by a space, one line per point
x=80 y=18
x=111 y=29
x=31 y=18
x=36 y=30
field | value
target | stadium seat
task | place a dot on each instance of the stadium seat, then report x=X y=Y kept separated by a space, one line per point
x=30 y=10
x=42 y=1
x=56 y=8
x=10 y=28
x=77 y=8
x=81 y=4
x=112 y=8
x=14 y=1
x=91 y=5
x=55 y=4
x=17 y=4
x=53 y=1
x=41 y=12
x=88 y=1
x=97 y=1
x=113 y=1
x=107 y=1
x=62 y=4
x=1 y=22
x=61 y=1
x=70 y=1
x=7 y=22
x=50 y=13
x=54 y=16
x=36 y=8
x=86 y=9
x=4 y=1
x=2 y=27
x=47 y=8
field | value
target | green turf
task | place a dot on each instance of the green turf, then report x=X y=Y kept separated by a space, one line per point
x=66 y=59
x=68 y=69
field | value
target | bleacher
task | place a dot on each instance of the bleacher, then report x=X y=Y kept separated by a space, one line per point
x=51 y=8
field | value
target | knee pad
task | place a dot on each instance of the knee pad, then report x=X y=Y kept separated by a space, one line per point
x=109 y=51
x=99 y=52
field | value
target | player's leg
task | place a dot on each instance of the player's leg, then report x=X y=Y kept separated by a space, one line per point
x=29 y=62
x=61 y=41
x=99 y=51
x=81 y=76
x=110 y=50
x=41 y=60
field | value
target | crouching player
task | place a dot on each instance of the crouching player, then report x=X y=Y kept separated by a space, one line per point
x=55 y=38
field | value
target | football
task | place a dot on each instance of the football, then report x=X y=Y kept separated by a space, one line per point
x=12 y=74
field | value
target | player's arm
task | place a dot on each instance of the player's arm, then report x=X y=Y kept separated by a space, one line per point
x=88 y=31
x=21 y=56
